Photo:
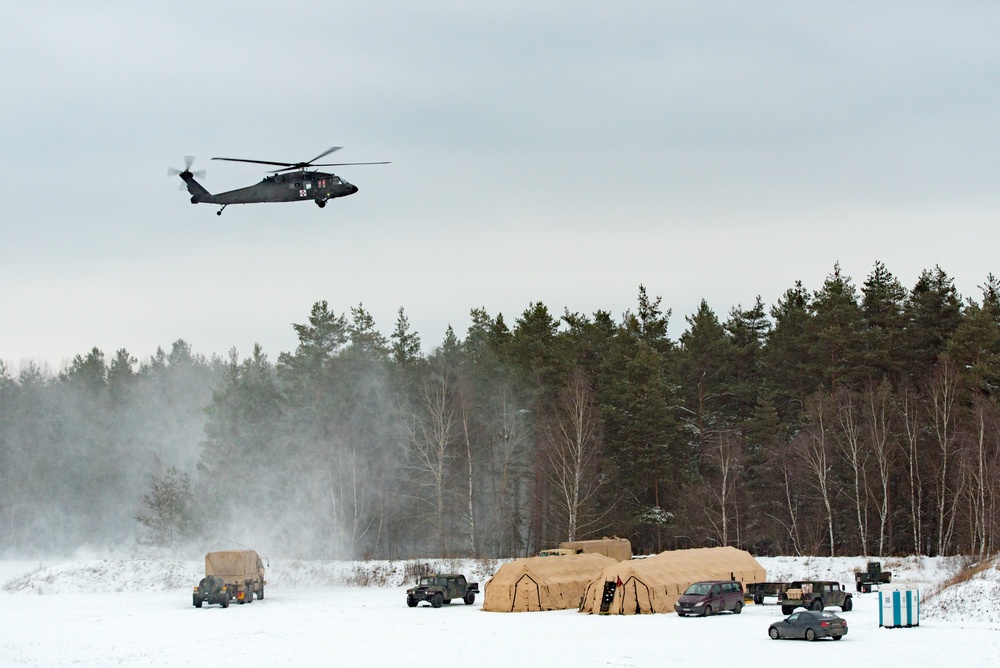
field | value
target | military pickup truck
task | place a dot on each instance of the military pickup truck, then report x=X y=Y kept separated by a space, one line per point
x=439 y=590
x=814 y=595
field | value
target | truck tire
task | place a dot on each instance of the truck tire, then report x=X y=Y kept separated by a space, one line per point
x=260 y=594
x=470 y=598
x=787 y=609
x=225 y=601
x=411 y=602
x=197 y=601
x=848 y=604
x=437 y=600
x=817 y=605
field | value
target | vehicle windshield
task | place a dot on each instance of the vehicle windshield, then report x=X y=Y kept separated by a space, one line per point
x=697 y=589
x=426 y=581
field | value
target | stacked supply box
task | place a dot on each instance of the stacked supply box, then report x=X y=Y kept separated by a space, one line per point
x=899 y=608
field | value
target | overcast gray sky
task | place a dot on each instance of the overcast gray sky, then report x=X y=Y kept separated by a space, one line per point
x=554 y=151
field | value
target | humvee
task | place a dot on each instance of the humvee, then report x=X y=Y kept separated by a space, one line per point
x=439 y=590
x=814 y=595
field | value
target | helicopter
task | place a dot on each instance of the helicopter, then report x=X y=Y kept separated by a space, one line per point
x=294 y=182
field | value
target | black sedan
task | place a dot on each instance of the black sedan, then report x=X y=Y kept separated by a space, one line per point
x=809 y=624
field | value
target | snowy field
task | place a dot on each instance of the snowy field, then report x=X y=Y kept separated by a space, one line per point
x=139 y=612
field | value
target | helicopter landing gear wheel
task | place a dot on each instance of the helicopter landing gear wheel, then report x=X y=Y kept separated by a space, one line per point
x=219 y=212
x=320 y=203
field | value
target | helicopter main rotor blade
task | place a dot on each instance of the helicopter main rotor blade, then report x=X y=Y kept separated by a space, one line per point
x=259 y=162
x=324 y=154
x=340 y=164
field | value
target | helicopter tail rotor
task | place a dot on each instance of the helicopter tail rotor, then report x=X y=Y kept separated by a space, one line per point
x=188 y=161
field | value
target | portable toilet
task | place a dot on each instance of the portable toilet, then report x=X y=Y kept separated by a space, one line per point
x=899 y=608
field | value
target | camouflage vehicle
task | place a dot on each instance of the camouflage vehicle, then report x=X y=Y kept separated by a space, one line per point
x=439 y=590
x=556 y=552
x=872 y=578
x=234 y=574
x=814 y=595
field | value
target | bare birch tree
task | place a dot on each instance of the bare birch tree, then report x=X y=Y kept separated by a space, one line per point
x=942 y=390
x=572 y=443
x=813 y=444
x=724 y=451
x=982 y=462
x=509 y=436
x=430 y=437
x=878 y=402
x=911 y=415
x=853 y=450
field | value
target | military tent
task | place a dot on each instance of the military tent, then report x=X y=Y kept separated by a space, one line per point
x=619 y=549
x=543 y=583
x=654 y=584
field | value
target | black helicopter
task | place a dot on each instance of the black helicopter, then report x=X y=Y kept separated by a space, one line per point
x=291 y=183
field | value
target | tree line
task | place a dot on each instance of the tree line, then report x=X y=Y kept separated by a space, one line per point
x=845 y=420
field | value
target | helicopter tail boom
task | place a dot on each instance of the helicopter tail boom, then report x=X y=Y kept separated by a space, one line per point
x=198 y=191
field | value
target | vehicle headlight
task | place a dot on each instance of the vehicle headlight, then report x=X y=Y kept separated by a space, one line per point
x=699 y=604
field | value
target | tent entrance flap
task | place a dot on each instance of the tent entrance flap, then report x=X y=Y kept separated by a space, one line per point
x=607 y=597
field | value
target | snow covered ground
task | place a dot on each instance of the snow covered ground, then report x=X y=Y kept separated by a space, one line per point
x=139 y=612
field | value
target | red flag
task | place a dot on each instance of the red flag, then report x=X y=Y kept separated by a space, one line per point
x=619 y=583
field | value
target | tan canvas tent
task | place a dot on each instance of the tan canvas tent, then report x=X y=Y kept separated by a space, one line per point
x=543 y=583
x=618 y=549
x=654 y=584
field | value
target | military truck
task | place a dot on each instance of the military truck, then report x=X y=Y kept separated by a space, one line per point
x=871 y=578
x=233 y=574
x=814 y=595
x=440 y=589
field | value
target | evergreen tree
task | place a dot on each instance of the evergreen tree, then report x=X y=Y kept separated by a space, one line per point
x=882 y=324
x=933 y=312
x=169 y=507
x=704 y=374
x=748 y=330
x=405 y=347
x=975 y=345
x=645 y=449
x=787 y=355
x=836 y=332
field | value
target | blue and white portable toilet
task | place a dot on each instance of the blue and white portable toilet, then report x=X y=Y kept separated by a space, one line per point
x=899 y=608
